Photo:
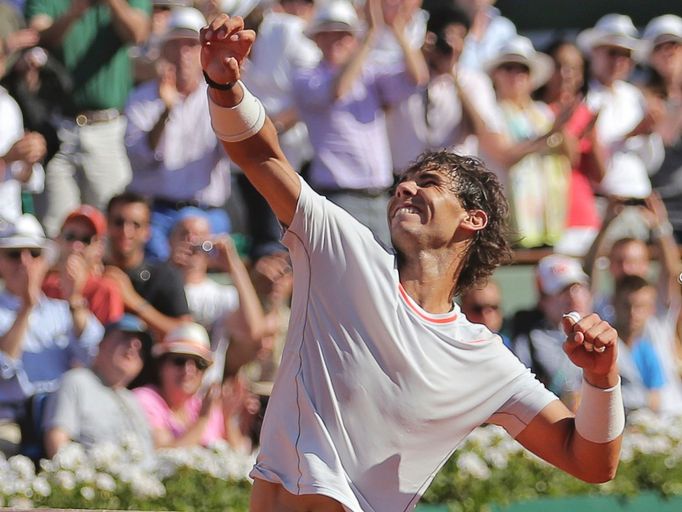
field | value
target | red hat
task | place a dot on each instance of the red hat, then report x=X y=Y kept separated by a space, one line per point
x=92 y=215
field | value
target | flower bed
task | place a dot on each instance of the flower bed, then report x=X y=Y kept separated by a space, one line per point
x=490 y=468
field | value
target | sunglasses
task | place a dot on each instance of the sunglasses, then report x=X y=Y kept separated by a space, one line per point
x=120 y=222
x=181 y=361
x=618 y=52
x=480 y=308
x=70 y=236
x=15 y=254
x=514 y=66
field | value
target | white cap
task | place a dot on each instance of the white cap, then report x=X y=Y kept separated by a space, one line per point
x=184 y=23
x=334 y=16
x=662 y=29
x=611 y=30
x=239 y=7
x=556 y=271
x=520 y=50
x=190 y=339
x=24 y=232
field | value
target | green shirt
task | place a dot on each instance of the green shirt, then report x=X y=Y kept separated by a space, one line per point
x=93 y=53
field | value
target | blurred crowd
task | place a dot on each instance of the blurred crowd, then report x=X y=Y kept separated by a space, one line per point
x=146 y=290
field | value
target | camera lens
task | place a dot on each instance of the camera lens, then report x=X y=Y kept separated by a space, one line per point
x=207 y=246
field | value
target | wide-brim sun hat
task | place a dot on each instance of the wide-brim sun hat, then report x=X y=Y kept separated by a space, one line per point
x=662 y=29
x=184 y=23
x=239 y=7
x=334 y=16
x=24 y=233
x=187 y=339
x=520 y=50
x=610 y=30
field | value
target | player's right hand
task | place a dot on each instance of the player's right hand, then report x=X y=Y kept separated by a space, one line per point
x=224 y=46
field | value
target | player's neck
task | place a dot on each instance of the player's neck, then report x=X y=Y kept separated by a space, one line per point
x=429 y=279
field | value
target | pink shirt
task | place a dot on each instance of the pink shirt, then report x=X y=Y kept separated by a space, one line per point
x=160 y=416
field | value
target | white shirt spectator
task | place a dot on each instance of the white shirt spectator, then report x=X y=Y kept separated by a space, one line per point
x=188 y=163
x=280 y=48
x=11 y=130
x=433 y=119
x=620 y=109
x=477 y=52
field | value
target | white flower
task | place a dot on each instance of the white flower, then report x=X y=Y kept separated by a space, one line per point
x=472 y=464
x=70 y=457
x=65 y=479
x=85 y=474
x=105 y=482
x=88 y=493
x=22 y=466
x=42 y=486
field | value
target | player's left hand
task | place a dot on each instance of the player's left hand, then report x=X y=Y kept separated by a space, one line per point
x=592 y=344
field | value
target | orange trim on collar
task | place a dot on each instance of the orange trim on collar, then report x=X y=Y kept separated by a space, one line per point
x=425 y=315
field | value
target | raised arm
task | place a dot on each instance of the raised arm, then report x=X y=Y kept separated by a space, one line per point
x=586 y=445
x=239 y=118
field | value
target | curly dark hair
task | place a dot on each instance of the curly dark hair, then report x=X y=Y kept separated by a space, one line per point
x=477 y=188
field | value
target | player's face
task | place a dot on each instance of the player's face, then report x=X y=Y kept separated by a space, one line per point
x=425 y=207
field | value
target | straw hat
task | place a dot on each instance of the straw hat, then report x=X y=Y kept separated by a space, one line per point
x=520 y=50
x=611 y=30
x=188 y=339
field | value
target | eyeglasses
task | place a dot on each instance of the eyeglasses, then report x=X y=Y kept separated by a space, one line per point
x=181 y=361
x=120 y=222
x=70 y=236
x=480 y=308
x=15 y=254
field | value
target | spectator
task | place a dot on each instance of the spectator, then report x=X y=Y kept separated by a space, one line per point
x=483 y=305
x=565 y=89
x=229 y=312
x=20 y=153
x=457 y=106
x=624 y=125
x=534 y=155
x=537 y=337
x=280 y=49
x=663 y=36
x=91 y=39
x=179 y=414
x=41 y=338
x=386 y=49
x=639 y=366
x=92 y=405
x=77 y=277
x=341 y=102
x=153 y=291
x=630 y=256
x=489 y=31
x=175 y=156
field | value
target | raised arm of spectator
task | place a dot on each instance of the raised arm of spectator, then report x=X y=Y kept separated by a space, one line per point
x=353 y=68
x=225 y=45
x=52 y=31
x=131 y=24
x=414 y=58
x=668 y=253
x=250 y=312
x=598 y=247
x=157 y=321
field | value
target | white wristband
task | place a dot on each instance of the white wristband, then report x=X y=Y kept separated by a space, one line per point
x=600 y=417
x=240 y=122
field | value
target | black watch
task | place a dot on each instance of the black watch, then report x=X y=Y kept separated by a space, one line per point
x=216 y=85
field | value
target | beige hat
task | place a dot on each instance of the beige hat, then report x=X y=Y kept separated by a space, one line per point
x=184 y=23
x=189 y=339
x=662 y=29
x=334 y=16
x=24 y=233
x=520 y=50
x=611 y=30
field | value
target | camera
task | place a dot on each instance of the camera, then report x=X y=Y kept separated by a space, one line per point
x=206 y=246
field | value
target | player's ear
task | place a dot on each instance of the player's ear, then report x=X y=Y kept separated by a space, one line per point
x=475 y=220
